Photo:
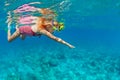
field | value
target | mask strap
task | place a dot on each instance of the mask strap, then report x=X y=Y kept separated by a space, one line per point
x=52 y=23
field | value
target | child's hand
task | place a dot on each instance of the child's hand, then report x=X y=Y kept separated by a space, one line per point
x=71 y=46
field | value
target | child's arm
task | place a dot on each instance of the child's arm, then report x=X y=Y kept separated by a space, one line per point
x=44 y=32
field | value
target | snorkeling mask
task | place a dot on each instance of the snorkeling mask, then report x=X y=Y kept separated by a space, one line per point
x=60 y=27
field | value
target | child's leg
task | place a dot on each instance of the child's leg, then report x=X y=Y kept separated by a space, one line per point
x=14 y=35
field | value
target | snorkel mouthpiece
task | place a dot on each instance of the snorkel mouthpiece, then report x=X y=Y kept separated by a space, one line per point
x=54 y=28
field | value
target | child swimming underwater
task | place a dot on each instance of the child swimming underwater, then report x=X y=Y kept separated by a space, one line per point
x=39 y=26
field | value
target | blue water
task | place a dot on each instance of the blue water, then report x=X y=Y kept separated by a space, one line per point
x=92 y=26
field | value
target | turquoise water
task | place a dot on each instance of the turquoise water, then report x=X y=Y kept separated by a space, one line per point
x=92 y=26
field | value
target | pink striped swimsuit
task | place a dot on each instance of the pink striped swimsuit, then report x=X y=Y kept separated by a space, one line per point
x=26 y=30
x=26 y=20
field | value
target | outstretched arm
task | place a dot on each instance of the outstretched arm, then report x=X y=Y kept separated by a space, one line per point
x=44 y=32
